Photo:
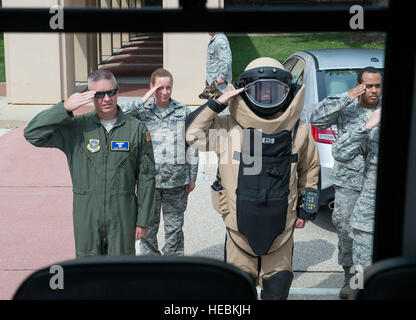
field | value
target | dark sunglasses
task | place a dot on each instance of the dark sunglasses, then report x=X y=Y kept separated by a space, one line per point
x=110 y=93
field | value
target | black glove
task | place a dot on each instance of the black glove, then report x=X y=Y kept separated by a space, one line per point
x=308 y=204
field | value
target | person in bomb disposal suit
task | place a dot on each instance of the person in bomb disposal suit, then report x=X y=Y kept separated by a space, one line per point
x=268 y=170
x=109 y=154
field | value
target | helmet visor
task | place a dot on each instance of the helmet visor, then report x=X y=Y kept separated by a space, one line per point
x=267 y=93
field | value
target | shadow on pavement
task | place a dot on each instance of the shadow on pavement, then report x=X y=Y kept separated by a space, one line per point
x=335 y=280
x=324 y=219
x=310 y=253
x=215 y=252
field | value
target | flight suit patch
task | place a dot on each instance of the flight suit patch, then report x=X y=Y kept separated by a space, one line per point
x=94 y=145
x=120 y=146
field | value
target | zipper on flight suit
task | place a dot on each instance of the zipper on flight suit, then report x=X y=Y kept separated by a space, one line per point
x=105 y=185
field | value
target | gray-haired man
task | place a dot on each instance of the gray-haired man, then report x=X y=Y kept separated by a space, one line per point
x=109 y=154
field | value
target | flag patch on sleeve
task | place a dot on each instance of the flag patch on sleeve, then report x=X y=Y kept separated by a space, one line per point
x=148 y=136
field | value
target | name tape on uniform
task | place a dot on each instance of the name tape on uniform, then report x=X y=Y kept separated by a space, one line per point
x=120 y=146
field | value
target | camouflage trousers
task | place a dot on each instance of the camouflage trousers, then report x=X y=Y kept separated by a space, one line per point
x=173 y=204
x=362 y=248
x=345 y=200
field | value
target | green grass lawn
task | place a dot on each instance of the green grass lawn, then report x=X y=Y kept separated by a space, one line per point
x=2 y=69
x=247 y=48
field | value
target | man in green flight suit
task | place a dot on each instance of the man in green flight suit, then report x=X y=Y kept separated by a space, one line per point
x=109 y=154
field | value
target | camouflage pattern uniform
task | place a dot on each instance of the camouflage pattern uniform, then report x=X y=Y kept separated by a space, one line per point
x=365 y=142
x=219 y=61
x=175 y=168
x=347 y=176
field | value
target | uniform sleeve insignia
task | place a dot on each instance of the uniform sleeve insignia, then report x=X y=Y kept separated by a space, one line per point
x=94 y=145
x=148 y=136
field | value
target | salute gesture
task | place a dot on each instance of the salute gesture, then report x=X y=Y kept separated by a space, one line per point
x=77 y=100
x=150 y=93
x=227 y=95
x=357 y=91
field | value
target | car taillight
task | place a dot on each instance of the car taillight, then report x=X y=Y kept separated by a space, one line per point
x=323 y=136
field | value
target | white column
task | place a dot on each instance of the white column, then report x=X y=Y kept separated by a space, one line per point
x=116 y=4
x=39 y=66
x=106 y=37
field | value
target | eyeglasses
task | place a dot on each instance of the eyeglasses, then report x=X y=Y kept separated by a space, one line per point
x=110 y=93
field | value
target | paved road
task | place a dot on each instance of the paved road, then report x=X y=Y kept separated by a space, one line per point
x=317 y=274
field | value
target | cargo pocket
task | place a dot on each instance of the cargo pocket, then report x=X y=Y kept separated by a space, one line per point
x=147 y=167
x=220 y=201
x=356 y=164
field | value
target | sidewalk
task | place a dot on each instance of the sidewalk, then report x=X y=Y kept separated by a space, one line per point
x=36 y=228
x=36 y=216
x=35 y=210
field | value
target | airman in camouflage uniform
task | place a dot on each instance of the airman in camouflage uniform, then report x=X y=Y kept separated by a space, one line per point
x=364 y=141
x=347 y=176
x=176 y=167
x=348 y=111
x=219 y=65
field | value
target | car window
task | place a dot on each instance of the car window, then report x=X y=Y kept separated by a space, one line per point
x=297 y=72
x=290 y=63
x=333 y=82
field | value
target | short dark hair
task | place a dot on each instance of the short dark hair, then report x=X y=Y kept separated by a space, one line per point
x=158 y=73
x=366 y=69
x=101 y=74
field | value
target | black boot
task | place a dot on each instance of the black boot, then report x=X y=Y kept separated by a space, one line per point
x=346 y=289
x=277 y=286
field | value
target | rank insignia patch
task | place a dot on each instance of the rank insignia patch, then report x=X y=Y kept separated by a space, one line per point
x=94 y=145
x=148 y=136
x=120 y=146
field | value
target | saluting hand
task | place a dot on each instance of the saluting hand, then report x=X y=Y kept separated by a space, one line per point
x=227 y=95
x=77 y=100
x=150 y=93
x=357 y=91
